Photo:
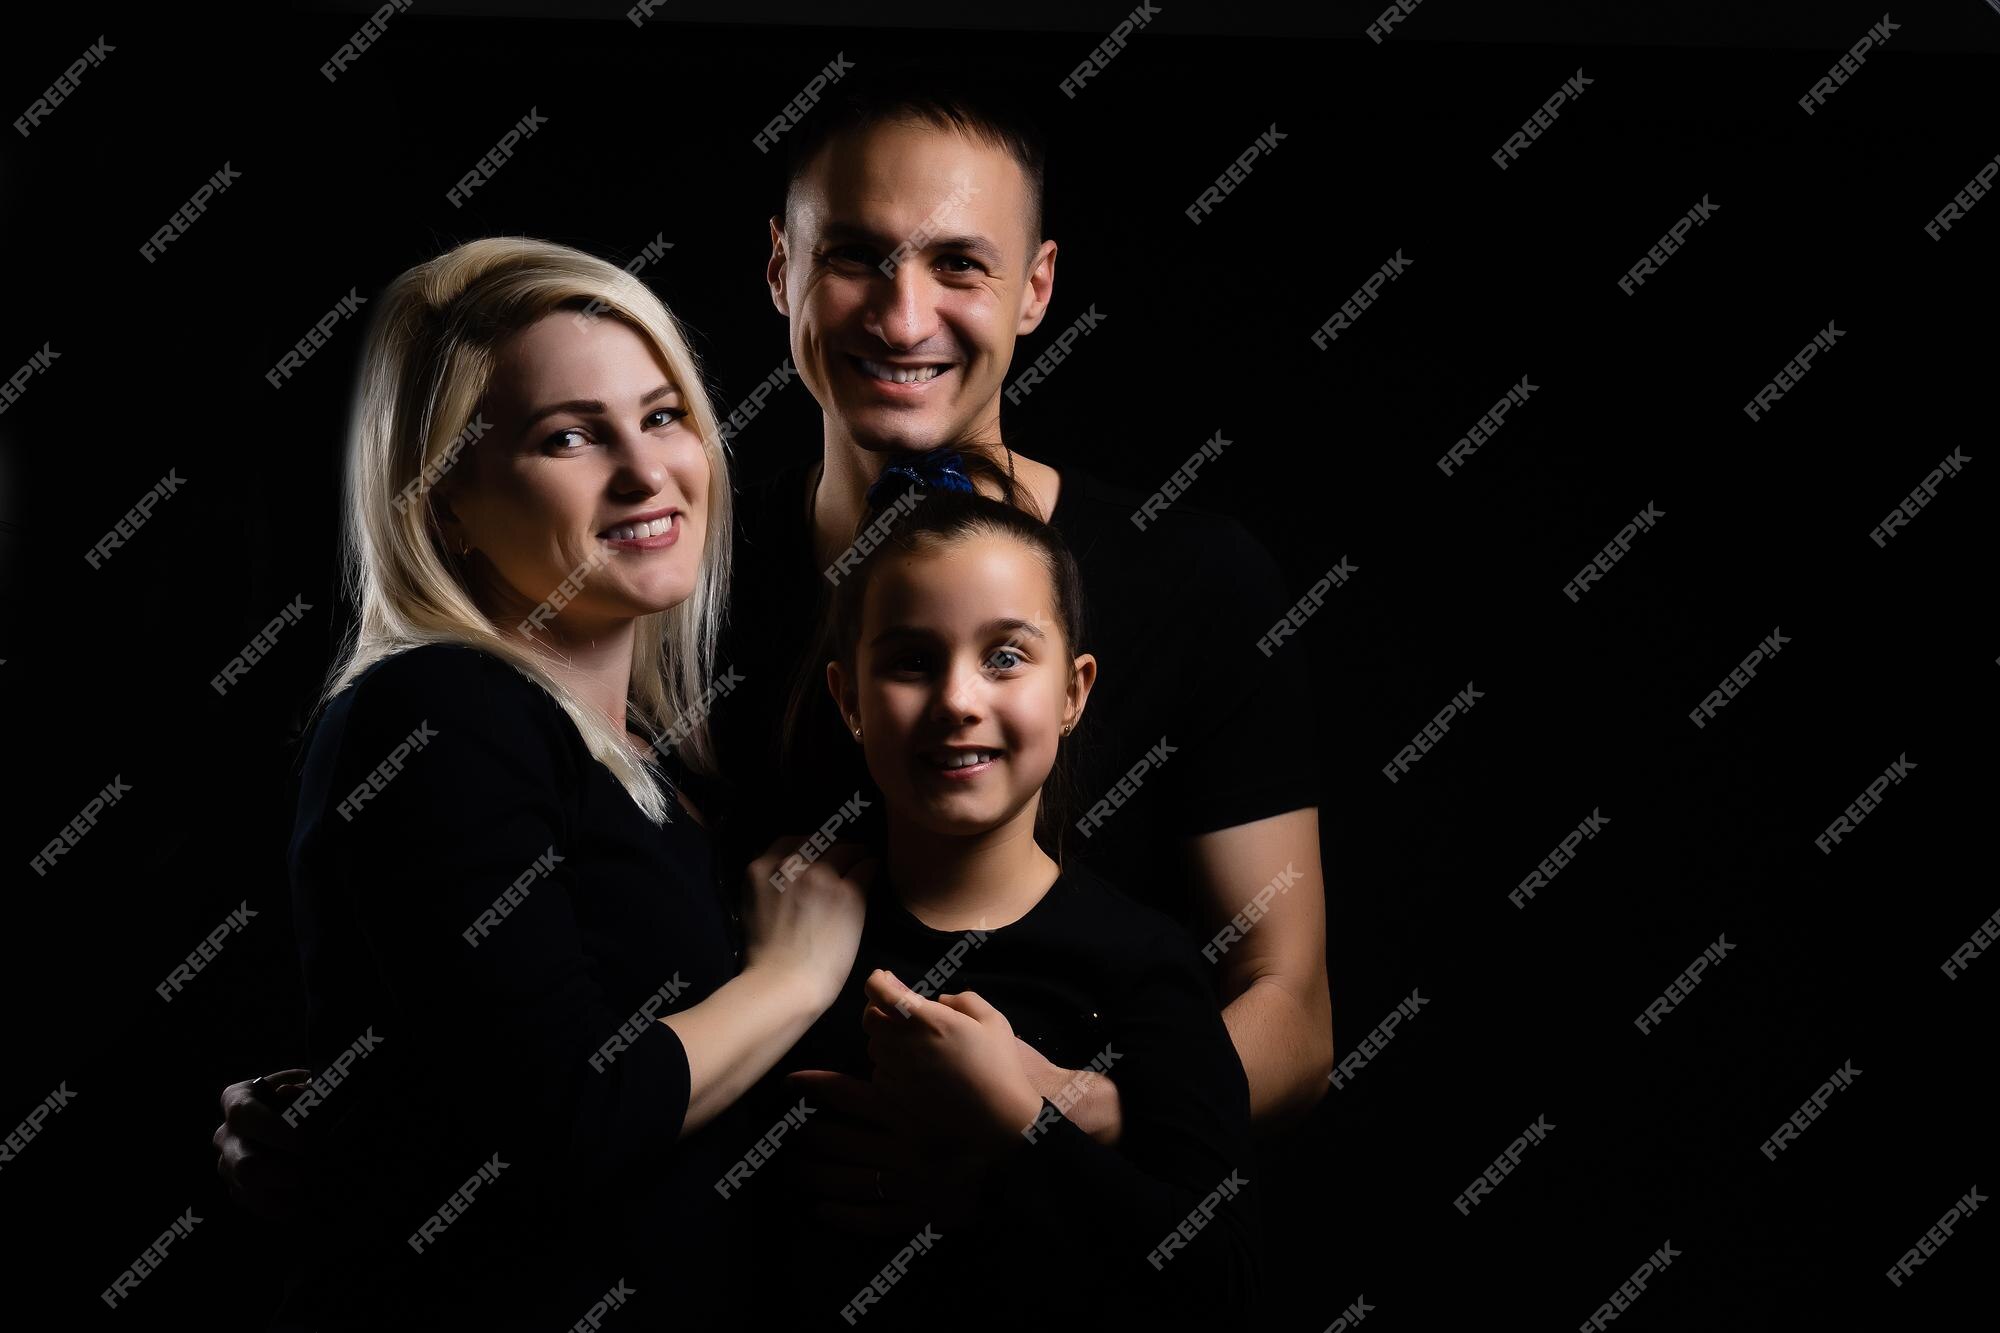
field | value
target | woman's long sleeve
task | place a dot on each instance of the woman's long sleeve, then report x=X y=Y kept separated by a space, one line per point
x=437 y=829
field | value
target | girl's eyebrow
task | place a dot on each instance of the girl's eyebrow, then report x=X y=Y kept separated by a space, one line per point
x=1012 y=626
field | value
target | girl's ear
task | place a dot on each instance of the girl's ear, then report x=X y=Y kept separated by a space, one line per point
x=1083 y=674
x=842 y=690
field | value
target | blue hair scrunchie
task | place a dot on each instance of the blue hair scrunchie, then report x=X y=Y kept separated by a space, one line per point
x=936 y=471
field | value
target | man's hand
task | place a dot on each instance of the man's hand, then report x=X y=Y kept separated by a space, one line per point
x=257 y=1154
x=1084 y=1096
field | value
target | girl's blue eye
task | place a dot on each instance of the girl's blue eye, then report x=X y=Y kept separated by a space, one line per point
x=1007 y=652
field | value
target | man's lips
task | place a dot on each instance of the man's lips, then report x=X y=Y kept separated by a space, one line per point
x=905 y=376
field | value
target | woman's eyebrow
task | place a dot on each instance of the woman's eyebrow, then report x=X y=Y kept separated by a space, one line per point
x=589 y=406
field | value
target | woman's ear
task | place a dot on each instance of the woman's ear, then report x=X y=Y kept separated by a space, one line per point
x=1083 y=674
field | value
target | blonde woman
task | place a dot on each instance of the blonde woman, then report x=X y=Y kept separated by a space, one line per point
x=524 y=1000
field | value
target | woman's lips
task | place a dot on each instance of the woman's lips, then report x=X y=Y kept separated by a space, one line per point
x=659 y=534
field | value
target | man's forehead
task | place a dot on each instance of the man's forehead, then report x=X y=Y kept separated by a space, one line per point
x=895 y=177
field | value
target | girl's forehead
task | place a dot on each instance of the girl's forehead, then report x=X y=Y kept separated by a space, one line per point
x=963 y=588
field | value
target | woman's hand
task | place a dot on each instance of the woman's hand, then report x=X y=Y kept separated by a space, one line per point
x=863 y=1167
x=803 y=919
x=257 y=1154
x=950 y=1062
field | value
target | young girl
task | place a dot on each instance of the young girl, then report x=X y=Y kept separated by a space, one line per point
x=952 y=654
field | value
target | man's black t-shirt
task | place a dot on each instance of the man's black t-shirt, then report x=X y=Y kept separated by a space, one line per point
x=1173 y=613
x=1091 y=979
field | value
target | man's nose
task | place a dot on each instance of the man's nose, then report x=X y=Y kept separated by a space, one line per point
x=901 y=310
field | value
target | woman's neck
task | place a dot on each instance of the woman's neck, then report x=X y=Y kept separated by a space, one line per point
x=981 y=882
x=593 y=661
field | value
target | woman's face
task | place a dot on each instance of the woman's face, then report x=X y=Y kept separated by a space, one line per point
x=960 y=649
x=586 y=501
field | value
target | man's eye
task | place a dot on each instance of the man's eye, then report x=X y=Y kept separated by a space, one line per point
x=970 y=264
x=852 y=254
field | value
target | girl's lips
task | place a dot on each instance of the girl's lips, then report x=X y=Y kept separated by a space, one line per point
x=963 y=774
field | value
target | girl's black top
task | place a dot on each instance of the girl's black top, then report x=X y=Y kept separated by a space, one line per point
x=1068 y=1226
x=489 y=926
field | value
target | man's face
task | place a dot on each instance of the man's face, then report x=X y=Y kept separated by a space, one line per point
x=906 y=358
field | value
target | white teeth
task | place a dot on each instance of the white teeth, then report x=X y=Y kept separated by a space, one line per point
x=626 y=532
x=900 y=375
x=967 y=758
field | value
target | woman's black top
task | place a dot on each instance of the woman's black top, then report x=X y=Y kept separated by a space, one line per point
x=489 y=926
x=1090 y=978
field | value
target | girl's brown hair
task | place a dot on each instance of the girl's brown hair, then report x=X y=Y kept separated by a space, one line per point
x=908 y=519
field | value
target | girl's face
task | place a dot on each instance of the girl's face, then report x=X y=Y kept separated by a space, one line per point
x=591 y=488
x=961 y=656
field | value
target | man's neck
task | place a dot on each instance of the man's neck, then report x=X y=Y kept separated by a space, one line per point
x=847 y=471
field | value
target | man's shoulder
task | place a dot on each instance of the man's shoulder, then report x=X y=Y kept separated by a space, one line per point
x=1150 y=534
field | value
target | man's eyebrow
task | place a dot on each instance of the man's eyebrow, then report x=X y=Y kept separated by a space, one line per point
x=590 y=406
x=971 y=243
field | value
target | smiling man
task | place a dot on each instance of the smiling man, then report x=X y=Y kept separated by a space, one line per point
x=909 y=259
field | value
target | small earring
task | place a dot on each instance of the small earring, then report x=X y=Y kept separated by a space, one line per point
x=857 y=733
x=464 y=546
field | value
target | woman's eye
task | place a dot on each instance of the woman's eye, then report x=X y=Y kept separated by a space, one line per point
x=561 y=439
x=672 y=414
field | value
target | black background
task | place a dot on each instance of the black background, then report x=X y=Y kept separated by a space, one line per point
x=1512 y=273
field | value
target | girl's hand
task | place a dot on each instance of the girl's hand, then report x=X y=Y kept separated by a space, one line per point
x=951 y=1062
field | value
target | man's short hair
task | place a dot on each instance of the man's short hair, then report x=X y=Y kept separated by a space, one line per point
x=972 y=104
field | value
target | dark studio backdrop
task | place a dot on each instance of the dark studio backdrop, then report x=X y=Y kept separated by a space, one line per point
x=1886 y=648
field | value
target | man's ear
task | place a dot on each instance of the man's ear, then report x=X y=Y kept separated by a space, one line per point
x=1038 y=291
x=774 y=267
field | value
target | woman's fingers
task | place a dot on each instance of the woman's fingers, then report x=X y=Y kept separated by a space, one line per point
x=856 y=1145
x=880 y=1219
x=258 y=1121
x=837 y=1092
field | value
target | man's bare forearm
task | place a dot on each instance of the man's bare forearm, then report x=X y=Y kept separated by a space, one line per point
x=1286 y=1045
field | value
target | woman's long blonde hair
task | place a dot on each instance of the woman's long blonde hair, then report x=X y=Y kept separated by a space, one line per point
x=424 y=373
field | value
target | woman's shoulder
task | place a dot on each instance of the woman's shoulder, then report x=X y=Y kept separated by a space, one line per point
x=429 y=688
